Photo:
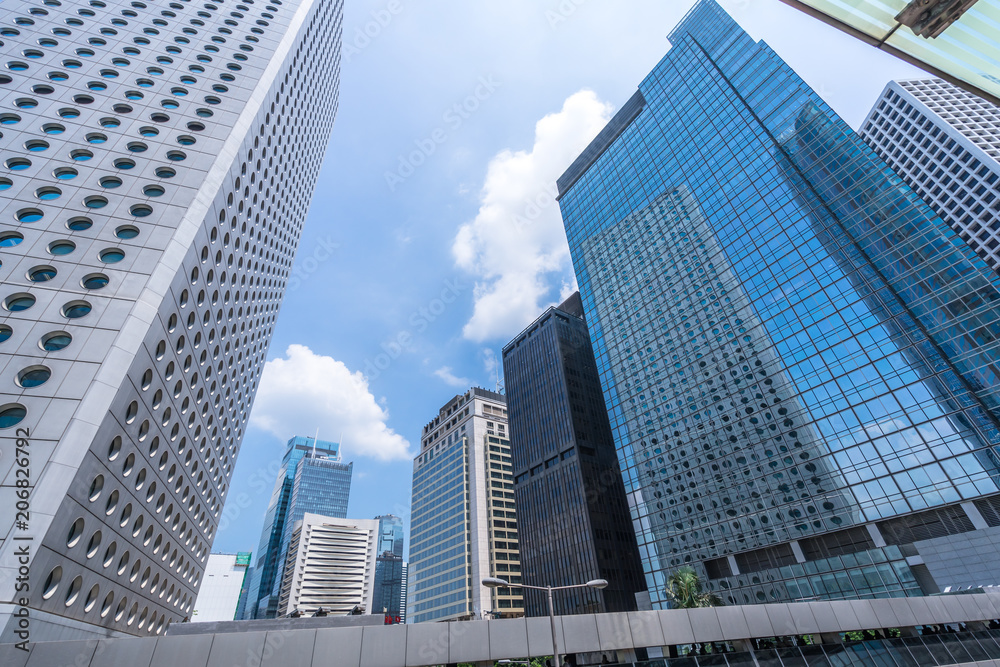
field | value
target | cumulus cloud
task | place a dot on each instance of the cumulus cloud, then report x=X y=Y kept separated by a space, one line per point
x=516 y=246
x=490 y=363
x=304 y=391
x=444 y=373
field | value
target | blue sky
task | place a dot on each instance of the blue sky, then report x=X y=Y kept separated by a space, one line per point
x=433 y=236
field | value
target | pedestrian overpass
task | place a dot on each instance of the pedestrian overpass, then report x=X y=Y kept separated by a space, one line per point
x=909 y=632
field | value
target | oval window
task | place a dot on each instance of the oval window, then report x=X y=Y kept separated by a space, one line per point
x=55 y=341
x=29 y=215
x=59 y=248
x=10 y=239
x=95 y=281
x=112 y=255
x=41 y=274
x=76 y=309
x=15 y=303
x=33 y=376
x=12 y=414
x=51 y=583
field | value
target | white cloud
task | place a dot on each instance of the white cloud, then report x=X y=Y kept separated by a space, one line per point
x=490 y=363
x=450 y=378
x=516 y=246
x=304 y=391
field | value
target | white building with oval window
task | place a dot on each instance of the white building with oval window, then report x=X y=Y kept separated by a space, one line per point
x=159 y=158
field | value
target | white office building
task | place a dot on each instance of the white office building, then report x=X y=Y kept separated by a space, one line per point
x=330 y=564
x=945 y=143
x=464 y=522
x=402 y=592
x=221 y=585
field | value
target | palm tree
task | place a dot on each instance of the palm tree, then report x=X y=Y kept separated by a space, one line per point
x=684 y=590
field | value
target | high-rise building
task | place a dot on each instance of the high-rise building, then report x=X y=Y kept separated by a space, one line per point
x=241 y=604
x=312 y=478
x=221 y=588
x=389 y=568
x=330 y=564
x=574 y=521
x=798 y=356
x=945 y=144
x=952 y=39
x=390 y=534
x=402 y=592
x=159 y=162
x=464 y=523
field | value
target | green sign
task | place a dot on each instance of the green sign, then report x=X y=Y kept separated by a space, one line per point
x=243 y=558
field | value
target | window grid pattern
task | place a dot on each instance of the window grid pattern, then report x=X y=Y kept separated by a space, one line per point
x=462 y=495
x=311 y=479
x=789 y=341
x=574 y=523
x=945 y=144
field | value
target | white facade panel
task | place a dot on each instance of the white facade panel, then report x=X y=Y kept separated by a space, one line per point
x=220 y=589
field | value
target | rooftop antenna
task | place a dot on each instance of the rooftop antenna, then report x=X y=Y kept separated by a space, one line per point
x=315 y=440
x=340 y=446
x=496 y=371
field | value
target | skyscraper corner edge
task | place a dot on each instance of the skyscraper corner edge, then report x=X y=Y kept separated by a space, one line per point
x=618 y=123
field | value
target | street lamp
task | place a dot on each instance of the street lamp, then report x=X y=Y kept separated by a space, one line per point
x=493 y=582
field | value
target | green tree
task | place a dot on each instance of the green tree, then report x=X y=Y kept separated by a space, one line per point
x=684 y=590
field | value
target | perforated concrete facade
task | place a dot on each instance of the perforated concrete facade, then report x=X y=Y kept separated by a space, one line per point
x=133 y=437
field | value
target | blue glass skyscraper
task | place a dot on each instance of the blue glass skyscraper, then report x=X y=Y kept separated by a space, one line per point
x=389 y=568
x=312 y=479
x=799 y=358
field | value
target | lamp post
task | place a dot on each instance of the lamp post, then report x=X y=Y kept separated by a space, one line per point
x=493 y=582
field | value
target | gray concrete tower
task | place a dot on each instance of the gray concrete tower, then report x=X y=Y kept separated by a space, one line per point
x=158 y=162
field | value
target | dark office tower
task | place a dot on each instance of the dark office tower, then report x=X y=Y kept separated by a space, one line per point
x=158 y=162
x=312 y=479
x=945 y=143
x=573 y=515
x=799 y=358
x=389 y=566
